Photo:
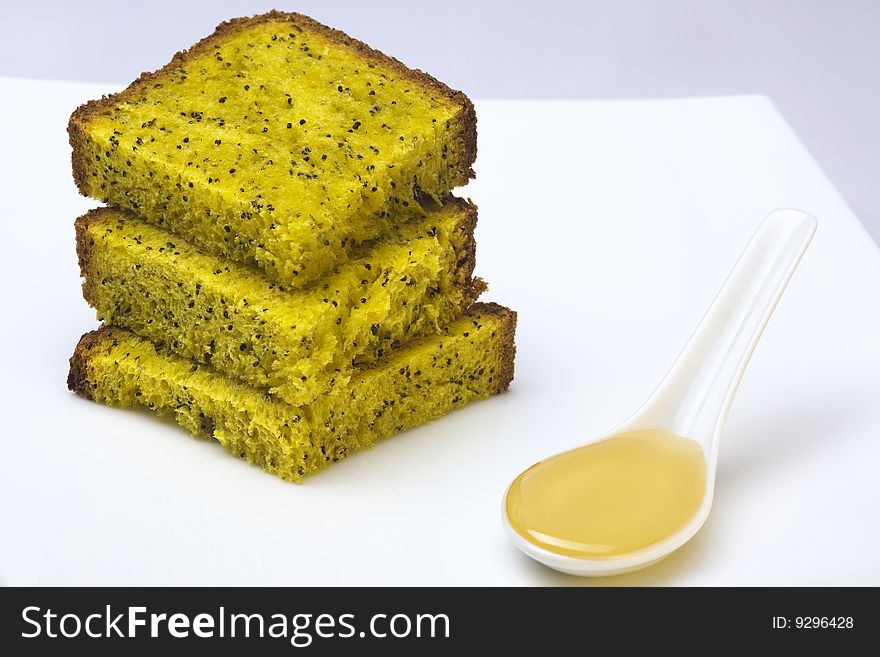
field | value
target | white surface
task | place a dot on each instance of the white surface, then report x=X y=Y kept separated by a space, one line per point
x=608 y=226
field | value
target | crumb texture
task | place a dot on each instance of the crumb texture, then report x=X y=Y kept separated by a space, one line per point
x=278 y=142
x=412 y=386
x=296 y=343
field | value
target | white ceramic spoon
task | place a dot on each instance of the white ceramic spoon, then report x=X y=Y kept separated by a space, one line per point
x=695 y=396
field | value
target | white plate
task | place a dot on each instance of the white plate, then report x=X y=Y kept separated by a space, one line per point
x=608 y=226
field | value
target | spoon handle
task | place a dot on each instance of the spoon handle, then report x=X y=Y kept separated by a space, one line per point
x=695 y=396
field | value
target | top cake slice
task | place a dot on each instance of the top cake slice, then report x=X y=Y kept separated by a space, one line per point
x=276 y=141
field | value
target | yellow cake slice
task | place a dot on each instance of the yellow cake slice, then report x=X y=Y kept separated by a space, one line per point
x=297 y=343
x=276 y=141
x=414 y=385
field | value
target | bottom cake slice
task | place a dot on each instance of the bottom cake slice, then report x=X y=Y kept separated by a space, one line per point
x=415 y=384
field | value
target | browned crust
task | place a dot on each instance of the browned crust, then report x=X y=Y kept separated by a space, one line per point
x=299 y=22
x=507 y=351
x=466 y=251
x=467 y=141
x=78 y=375
x=84 y=246
x=76 y=137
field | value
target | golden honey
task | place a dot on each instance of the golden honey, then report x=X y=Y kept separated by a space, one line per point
x=610 y=498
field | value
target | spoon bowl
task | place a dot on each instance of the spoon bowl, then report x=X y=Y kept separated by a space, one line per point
x=694 y=398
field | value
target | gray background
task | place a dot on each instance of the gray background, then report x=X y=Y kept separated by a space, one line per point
x=817 y=60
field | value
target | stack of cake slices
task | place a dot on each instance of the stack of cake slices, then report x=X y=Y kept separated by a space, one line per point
x=281 y=265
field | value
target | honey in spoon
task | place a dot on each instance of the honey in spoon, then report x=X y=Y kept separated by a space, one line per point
x=610 y=498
